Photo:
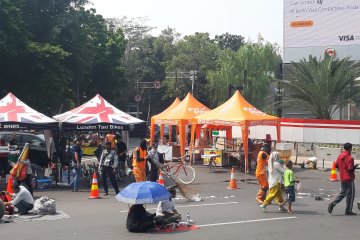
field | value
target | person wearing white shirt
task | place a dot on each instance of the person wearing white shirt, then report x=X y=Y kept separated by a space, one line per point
x=166 y=212
x=21 y=199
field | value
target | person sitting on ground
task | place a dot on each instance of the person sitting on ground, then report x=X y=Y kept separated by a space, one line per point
x=166 y=212
x=139 y=220
x=21 y=199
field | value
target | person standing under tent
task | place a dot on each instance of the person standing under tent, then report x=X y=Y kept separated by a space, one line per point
x=346 y=166
x=4 y=166
x=13 y=141
x=121 y=148
x=260 y=172
x=76 y=161
x=110 y=137
x=139 y=161
x=108 y=164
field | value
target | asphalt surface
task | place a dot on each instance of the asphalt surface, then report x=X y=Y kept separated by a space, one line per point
x=223 y=214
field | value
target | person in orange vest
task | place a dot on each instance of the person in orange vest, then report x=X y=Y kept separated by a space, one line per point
x=260 y=172
x=139 y=161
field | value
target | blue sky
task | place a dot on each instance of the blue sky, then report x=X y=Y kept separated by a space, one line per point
x=241 y=17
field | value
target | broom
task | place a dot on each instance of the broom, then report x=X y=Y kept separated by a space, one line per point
x=186 y=191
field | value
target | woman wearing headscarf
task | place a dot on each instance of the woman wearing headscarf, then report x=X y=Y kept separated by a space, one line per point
x=276 y=170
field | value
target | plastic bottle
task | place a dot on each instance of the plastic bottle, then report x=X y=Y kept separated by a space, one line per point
x=188 y=219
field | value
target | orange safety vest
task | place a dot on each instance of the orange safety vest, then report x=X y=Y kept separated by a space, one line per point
x=142 y=155
x=261 y=163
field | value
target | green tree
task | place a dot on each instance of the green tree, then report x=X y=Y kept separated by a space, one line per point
x=249 y=67
x=321 y=86
x=229 y=41
x=196 y=54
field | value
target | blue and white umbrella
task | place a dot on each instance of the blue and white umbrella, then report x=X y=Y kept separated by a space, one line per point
x=143 y=192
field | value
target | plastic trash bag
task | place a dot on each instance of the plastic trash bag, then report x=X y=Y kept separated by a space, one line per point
x=45 y=206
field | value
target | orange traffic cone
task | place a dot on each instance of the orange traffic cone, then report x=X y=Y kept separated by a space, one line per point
x=333 y=175
x=94 y=193
x=9 y=188
x=232 y=183
x=161 y=179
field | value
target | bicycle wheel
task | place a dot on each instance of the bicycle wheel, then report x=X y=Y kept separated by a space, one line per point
x=186 y=174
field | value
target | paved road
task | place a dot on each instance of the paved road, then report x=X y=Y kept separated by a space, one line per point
x=224 y=214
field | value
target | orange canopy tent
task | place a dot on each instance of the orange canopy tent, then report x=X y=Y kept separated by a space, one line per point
x=181 y=116
x=235 y=112
x=157 y=119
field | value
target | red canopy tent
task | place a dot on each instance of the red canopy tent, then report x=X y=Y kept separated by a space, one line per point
x=97 y=114
x=16 y=115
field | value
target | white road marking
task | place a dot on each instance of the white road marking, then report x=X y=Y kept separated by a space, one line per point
x=245 y=221
x=194 y=205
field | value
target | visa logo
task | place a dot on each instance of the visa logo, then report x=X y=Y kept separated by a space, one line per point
x=346 y=38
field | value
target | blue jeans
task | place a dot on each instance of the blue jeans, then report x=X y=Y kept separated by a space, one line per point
x=75 y=182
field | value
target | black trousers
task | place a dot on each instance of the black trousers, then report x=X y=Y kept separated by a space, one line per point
x=24 y=207
x=108 y=171
x=4 y=166
x=348 y=191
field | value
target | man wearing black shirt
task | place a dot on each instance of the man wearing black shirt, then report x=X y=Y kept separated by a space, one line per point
x=121 y=148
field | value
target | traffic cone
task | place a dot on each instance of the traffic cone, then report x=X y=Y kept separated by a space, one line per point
x=161 y=179
x=232 y=183
x=333 y=175
x=94 y=193
x=9 y=188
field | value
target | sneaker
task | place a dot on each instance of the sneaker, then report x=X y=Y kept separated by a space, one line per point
x=282 y=209
x=330 y=208
x=350 y=213
x=263 y=208
x=105 y=194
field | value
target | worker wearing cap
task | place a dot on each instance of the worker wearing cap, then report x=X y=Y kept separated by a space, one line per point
x=260 y=172
x=139 y=162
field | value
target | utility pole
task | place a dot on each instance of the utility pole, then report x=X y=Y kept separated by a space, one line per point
x=190 y=75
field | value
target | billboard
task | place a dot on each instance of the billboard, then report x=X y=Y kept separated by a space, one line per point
x=321 y=26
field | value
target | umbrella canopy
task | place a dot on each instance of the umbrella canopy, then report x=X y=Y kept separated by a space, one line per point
x=143 y=192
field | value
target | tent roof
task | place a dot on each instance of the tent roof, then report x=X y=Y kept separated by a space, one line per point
x=166 y=111
x=96 y=114
x=16 y=115
x=236 y=111
x=188 y=108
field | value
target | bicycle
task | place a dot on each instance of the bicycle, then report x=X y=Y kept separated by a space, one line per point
x=121 y=171
x=185 y=173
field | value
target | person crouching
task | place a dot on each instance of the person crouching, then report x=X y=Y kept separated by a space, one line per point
x=22 y=199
